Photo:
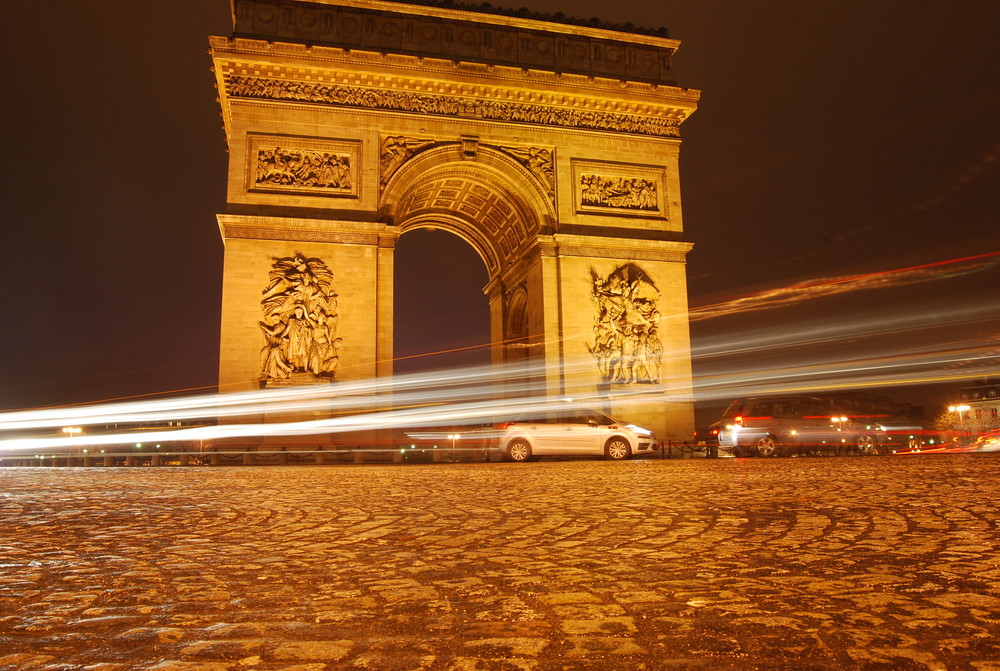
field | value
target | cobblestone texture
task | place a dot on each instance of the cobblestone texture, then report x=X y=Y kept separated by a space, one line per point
x=830 y=563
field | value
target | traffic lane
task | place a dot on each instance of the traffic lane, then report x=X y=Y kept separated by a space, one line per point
x=818 y=563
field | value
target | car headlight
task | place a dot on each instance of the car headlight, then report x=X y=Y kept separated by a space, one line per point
x=639 y=431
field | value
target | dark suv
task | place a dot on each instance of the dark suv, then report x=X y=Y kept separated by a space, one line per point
x=786 y=425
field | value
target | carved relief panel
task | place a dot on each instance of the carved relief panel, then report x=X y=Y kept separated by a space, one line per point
x=626 y=345
x=619 y=189
x=299 y=322
x=308 y=166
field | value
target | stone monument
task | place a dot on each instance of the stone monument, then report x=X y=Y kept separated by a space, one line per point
x=550 y=146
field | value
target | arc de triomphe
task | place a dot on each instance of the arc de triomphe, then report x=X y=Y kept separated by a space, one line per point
x=551 y=147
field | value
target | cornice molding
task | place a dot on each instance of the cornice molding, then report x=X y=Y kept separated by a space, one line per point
x=629 y=249
x=234 y=227
x=264 y=54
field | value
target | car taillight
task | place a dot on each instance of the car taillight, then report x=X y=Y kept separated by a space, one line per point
x=738 y=421
x=505 y=425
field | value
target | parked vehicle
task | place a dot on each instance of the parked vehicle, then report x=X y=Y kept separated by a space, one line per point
x=573 y=432
x=788 y=425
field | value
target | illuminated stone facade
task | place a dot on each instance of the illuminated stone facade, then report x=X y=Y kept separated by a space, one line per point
x=551 y=148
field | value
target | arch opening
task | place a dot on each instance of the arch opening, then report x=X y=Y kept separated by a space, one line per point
x=441 y=316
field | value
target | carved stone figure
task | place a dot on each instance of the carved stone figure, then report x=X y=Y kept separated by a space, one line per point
x=626 y=330
x=538 y=162
x=397 y=150
x=299 y=325
x=618 y=192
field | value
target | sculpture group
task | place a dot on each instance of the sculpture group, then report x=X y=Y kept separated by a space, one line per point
x=295 y=167
x=626 y=339
x=299 y=324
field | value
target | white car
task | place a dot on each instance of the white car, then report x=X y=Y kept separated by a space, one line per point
x=573 y=432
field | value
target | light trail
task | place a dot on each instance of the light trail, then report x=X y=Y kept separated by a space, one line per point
x=438 y=413
x=824 y=287
x=835 y=354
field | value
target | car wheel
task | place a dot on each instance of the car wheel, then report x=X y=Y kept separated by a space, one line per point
x=518 y=450
x=618 y=448
x=766 y=446
x=866 y=444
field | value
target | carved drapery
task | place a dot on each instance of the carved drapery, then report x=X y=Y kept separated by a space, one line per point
x=266 y=88
x=626 y=330
x=299 y=325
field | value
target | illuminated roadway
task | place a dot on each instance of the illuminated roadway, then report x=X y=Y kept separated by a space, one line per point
x=821 y=563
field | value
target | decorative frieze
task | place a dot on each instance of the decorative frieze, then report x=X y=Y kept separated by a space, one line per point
x=465 y=106
x=619 y=189
x=312 y=166
x=478 y=36
x=618 y=193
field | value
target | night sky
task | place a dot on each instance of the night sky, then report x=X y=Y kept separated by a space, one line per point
x=833 y=137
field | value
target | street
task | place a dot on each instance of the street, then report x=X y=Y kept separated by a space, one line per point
x=811 y=563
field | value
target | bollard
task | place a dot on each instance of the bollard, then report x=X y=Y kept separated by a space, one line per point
x=214 y=459
x=437 y=455
x=247 y=459
x=359 y=457
x=397 y=457
x=185 y=460
x=130 y=460
x=320 y=457
x=109 y=461
x=157 y=460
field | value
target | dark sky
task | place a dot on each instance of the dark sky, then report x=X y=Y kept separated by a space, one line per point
x=833 y=137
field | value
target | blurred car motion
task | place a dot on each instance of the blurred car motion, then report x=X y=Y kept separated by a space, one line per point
x=793 y=425
x=573 y=432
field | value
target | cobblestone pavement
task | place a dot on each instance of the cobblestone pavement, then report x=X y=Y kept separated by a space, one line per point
x=826 y=563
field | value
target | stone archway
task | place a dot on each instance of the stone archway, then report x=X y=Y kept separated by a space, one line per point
x=551 y=147
x=487 y=197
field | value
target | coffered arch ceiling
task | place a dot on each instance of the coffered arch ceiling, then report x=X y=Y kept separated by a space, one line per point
x=491 y=201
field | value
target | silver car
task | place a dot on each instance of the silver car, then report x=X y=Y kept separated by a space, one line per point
x=573 y=432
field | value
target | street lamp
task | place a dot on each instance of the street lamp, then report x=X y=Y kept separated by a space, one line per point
x=72 y=432
x=960 y=409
